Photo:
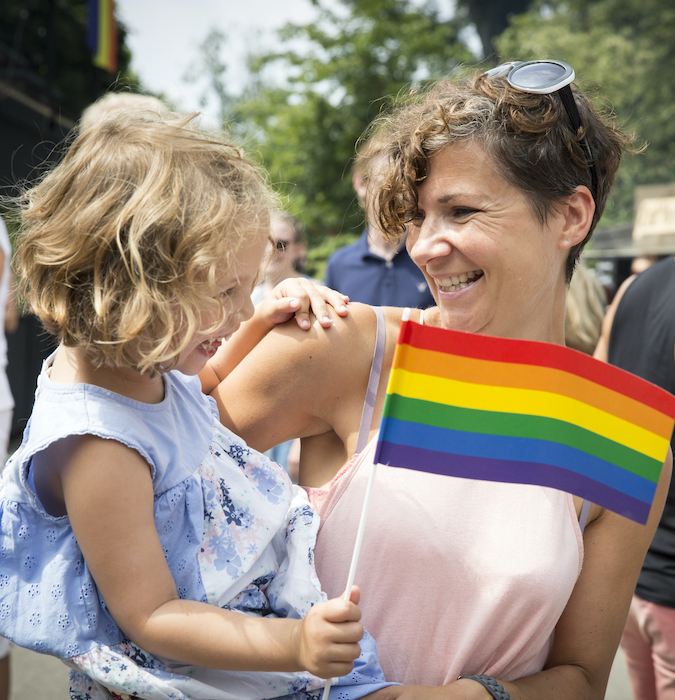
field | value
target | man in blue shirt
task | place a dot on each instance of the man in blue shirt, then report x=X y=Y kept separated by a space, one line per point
x=368 y=272
x=372 y=270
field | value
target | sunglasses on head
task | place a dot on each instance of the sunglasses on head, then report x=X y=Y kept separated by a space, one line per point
x=546 y=77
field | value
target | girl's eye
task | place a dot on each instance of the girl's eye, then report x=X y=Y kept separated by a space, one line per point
x=227 y=293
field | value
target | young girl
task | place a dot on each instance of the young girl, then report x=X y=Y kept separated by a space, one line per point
x=142 y=542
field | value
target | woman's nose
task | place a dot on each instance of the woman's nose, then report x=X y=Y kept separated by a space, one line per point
x=426 y=243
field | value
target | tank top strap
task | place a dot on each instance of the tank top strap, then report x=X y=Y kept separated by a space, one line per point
x=373 y=380
x=583 y=515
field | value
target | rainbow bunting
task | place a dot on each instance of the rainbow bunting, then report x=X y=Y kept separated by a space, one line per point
x=524 y=412
x=102 y=33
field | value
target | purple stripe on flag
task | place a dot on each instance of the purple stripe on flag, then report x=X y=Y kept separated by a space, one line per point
x=514 y=473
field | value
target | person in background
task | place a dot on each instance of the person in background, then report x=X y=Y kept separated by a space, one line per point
x=284 y=258
x=8 y=321
x=114 y=102
x=285 y=255
x=639 y=336
x=641 y=263
x=585 y=310
x=374 y=269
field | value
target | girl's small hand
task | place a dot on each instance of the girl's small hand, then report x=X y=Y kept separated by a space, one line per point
x=328 y=639
x=299 y=296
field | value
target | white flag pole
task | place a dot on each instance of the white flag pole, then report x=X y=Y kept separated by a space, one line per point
x=355 y=555
x=358 y=541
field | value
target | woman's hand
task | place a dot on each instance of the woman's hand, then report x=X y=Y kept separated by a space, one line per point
x=327 y=643
x=299 y=296
x=459 y=690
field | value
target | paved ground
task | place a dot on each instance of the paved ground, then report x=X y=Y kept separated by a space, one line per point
x=39 y=677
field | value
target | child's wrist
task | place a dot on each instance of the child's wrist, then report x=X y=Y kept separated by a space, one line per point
x=295 y=644
x=262 y=317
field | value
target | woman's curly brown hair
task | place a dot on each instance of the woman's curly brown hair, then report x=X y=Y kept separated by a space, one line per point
x=121 y=244
x=528 y=136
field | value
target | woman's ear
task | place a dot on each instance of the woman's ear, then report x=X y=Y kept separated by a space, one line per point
x=578 y=210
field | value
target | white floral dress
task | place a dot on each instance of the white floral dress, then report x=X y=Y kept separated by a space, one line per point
x=236 y=533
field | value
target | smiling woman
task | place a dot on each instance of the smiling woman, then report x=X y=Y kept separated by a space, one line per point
x=488 y=260
x=521 y=589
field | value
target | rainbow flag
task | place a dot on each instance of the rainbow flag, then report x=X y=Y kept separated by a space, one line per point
x=102 y=33
x=518 y=411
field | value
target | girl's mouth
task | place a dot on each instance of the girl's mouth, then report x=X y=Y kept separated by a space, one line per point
x=210 y=347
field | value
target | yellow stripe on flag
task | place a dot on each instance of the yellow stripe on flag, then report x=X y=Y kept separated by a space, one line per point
x=527 y=402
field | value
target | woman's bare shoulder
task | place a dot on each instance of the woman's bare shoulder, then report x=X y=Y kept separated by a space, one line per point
x=345 y=335
x=294 y=382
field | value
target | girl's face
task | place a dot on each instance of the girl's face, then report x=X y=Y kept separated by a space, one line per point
x=235 y=292
x=491 y=265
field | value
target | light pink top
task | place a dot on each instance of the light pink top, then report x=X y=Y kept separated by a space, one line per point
x=457 y=576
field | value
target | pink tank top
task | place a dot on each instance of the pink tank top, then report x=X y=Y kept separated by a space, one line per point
x=456 y=575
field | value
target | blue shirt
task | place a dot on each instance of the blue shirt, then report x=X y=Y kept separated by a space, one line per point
x=366 y=277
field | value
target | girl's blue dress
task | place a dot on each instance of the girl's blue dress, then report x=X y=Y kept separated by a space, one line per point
x=236 y=533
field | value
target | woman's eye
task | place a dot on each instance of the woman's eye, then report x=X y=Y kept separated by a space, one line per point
x=417 y=219
x=227 y=293
x=463 y=212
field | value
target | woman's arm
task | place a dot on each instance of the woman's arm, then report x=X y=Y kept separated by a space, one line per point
x=298 y=383
x=107 y=490
x=602 y=348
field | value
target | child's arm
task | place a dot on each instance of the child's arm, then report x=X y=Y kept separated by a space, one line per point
x=107 y=491
x=295 y=296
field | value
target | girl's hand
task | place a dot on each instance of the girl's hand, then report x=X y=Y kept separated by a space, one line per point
x=328 y=637
x=298 y=296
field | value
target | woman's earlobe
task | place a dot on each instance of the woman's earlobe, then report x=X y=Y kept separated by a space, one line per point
x=579 y=212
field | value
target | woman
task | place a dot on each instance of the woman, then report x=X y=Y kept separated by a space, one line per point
x=499 y=181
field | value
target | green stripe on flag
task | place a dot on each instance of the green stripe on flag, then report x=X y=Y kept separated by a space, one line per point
x=523 y=426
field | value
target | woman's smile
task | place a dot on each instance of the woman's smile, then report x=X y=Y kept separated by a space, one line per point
x=459 y=282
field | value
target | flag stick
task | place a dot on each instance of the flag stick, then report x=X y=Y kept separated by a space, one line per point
x=358 y=541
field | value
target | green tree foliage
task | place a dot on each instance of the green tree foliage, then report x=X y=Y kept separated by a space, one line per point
x=339 y=68
x=625 y=51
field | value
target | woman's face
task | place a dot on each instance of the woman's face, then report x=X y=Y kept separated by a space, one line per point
x=492 y=267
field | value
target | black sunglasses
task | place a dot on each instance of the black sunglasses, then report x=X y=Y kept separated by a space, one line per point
x=546 y=77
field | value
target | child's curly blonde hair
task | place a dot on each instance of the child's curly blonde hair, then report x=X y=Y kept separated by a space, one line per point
x=121 y=244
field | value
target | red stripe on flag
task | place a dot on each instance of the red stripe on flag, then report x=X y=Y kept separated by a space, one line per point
x=532 y=352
